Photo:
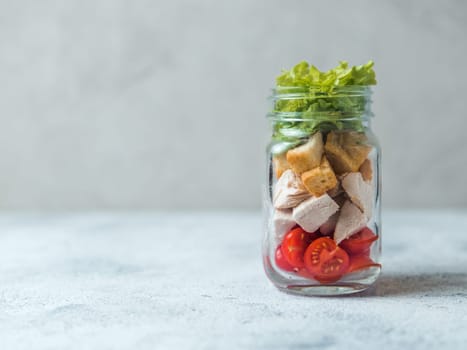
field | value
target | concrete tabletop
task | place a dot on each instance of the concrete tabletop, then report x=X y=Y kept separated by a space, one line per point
x=195 y=281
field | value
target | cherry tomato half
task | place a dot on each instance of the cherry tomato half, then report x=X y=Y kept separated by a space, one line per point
x=360 y=262
x=325 y=260
x=281 y=262
x=294 y=245
x=359 y=242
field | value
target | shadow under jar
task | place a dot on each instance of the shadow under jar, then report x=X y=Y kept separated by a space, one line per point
x=322 y=200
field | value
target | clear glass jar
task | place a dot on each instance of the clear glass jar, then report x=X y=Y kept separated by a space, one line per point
x=322 y=199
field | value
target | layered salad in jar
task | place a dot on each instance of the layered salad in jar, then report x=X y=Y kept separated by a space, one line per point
x=323 y=194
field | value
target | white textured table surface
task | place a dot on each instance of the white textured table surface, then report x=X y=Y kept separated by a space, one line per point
x=195 y=281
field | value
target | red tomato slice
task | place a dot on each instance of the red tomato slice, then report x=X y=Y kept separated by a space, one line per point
x=281 y=262
x=360 y=262
x=294 y=245
x=325 y=260
x=359 y=242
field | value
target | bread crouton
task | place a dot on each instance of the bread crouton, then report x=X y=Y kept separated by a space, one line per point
x=366 y=170
x=346 y=150
x=279 y=162
x=320 y=179
x=306 y=156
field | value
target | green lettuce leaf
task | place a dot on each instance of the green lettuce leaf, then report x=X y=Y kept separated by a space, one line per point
x=319 y=101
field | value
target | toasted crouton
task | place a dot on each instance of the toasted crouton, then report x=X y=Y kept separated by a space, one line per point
x=320 y=179
x=346 y=151
x=306 y=156
x=366 y=170
x=279 y=162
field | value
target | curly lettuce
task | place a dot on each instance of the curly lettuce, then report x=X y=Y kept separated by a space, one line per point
x=304 y=75
x=308 y=100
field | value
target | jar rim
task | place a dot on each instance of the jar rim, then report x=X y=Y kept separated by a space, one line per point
x=349 y=102
x=335 y=91
x=317 y=116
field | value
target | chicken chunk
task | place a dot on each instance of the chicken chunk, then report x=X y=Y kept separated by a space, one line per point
x=360 y=192
x=289 y=191
x=313 y=212
x=351 y=220
x=330 y=225
x=283 y=223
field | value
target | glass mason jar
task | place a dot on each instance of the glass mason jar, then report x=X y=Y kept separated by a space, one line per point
x=322 y=201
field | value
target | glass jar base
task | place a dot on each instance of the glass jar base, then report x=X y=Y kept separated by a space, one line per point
x=323 y=290
x=353 y=283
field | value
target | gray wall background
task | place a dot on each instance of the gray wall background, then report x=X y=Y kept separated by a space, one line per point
x=142 y=104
